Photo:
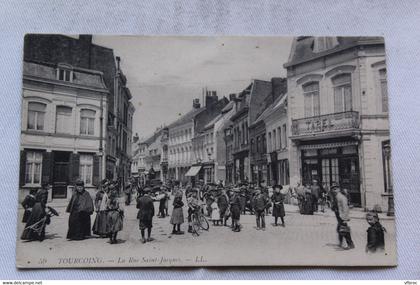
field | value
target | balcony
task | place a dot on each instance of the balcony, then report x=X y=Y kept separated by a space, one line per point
x=337 y=124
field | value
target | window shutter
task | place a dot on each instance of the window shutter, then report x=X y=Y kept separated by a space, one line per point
x=74 y=167
x=22 y=168
x=95 y=178
x=46 y=167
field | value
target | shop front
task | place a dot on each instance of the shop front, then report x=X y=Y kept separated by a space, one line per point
x=333 y=162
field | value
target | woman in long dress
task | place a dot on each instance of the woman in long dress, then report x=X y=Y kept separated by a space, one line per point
x=101 y=201
x=177 y=217
x=115 y=217
x=278 y=205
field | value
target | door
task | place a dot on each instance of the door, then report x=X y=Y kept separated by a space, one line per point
x=60 y=174
x=310 y=171
x=349 y=173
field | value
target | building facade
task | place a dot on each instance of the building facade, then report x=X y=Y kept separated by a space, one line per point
x=118 y=119
x=338 y=113
x=63 y=128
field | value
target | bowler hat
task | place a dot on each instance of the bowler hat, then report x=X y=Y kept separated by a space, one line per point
x=80 y=182
x=334 y=185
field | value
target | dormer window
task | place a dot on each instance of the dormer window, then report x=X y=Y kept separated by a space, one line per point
x=64 y=73
x=324 y=43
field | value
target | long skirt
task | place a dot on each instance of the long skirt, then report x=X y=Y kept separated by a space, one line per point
x=99 y=226
x=37 y=214
x=278 y=210
x=215 y=214
x=115 y=222
x=79 y=226
x=177 y=217
x=307 y=206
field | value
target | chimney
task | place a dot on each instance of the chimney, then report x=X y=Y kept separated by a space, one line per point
x=279 y=86
x=86 y=46
x=211 y=98
x=196 y=103
x=118 y=59
x=232 y=96
x=86 y=39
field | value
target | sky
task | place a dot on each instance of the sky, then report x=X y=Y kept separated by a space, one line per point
x=165 y=74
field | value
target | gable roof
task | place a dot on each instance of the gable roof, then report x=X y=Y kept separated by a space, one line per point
x=186 y=117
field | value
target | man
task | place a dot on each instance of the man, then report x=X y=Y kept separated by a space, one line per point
x=80 y=208
x=145 y=214
x=235 y=209
x=300 y=192
x=260 y=203
x=128 y=192
x=315 y=191
x=223 y=203
x=341 y=210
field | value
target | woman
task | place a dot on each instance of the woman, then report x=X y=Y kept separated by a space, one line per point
x=115 y=217
x=278 y=205
x=307 y=203
x=27 y=204
x=101 y=201
x=177 y=217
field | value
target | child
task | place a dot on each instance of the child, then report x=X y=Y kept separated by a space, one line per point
x=177 y=214
x=215 y=213
x=375 y=233
x=115 y=217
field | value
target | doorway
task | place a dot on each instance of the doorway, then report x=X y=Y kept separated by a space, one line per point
x=60 y=174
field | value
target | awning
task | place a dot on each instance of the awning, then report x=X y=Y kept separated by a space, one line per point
x=193 y=171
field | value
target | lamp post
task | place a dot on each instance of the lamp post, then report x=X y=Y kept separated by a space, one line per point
x=388 y=178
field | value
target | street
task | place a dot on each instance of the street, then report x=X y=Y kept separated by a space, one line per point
x=305 y=240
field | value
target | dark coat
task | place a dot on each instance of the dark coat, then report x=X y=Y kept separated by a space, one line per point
x=80 y=208
x=260 y=203
x=235 y=207
x=27 y=204
x=37 y=214
x=375 y=237
x=222 y=203
x=146 y=208
x=278 y=206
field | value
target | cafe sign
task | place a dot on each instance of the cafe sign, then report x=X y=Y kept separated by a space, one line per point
x=325 y=123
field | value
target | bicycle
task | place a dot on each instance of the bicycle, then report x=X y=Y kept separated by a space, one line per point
x=199 y=221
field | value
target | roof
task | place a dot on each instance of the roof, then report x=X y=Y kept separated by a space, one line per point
x=187 y=117
x=270 y=109
x=302 y=47
x=81 y=76
x=228 y=107
x=212 y=122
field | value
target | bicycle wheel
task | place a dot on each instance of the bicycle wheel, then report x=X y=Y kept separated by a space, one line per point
x=195 y=225
x=204 y=224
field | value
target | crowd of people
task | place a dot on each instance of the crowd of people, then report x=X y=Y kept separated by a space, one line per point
x=223 y=205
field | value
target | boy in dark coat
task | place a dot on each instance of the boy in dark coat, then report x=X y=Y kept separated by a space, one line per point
x=278 y=206
x=145 y=214
x=375 y=233
x=260 y=203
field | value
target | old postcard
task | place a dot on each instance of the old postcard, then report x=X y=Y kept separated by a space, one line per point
x=142 y=151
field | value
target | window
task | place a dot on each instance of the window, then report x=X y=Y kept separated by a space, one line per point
x=36 y=115
x=311 y=99
x=279 y=135
x=269 y=142
x=86 y=168
x=259 y=144
x=324 y=43
x=342 y=93
x=274 y=140
x=284 y=136
x=63 y=121
x=87 y=122
x=33 y=167
x=264 y=144
x=65 y=75
x=384 y=89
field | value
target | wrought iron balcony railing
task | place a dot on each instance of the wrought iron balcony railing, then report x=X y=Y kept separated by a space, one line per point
x=326 y=123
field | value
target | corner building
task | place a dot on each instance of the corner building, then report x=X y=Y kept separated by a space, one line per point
x=338 y=113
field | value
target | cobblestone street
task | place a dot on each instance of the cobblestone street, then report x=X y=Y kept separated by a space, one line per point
x=304 y=240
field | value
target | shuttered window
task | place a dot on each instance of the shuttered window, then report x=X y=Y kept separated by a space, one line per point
x=86 y=168
x=33 y=167
x=342 y=93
